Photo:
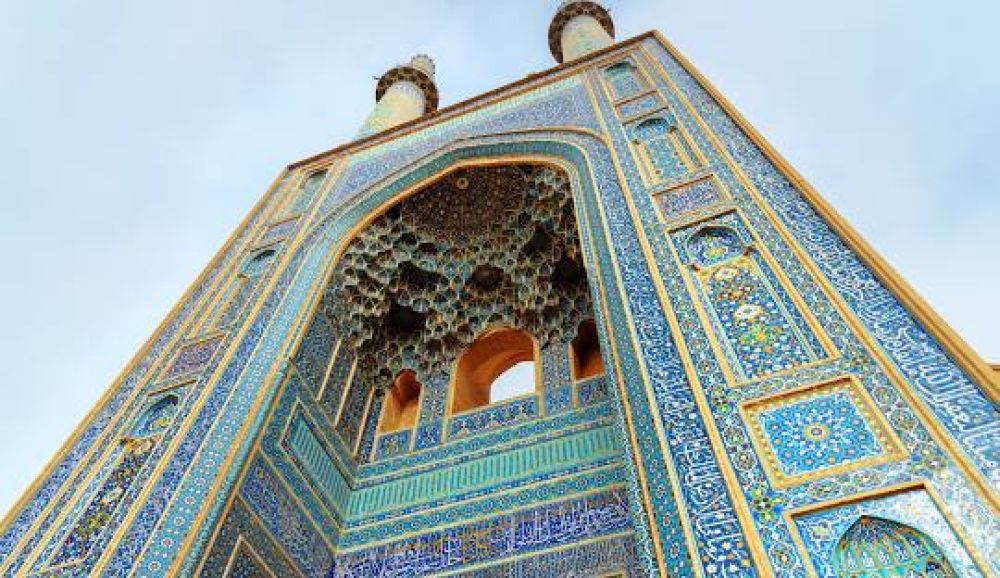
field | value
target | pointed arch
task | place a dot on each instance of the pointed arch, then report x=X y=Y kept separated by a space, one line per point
x=663 y=148
x=488 y=360
x=714 y=244
x=402 y=403
x=157 y=416
x=585 y=351
x=878 y=548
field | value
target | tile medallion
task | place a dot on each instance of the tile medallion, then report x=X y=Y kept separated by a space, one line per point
x=819 y=430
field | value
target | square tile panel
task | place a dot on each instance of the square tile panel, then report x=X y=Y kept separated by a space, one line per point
x=690 y=199
x=820 y=430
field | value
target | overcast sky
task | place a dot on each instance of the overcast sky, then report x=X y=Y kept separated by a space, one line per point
x=135 y=135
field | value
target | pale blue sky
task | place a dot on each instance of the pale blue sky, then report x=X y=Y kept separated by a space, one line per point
x=135 y=135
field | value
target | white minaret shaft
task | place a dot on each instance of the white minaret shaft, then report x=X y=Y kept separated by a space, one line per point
x=579 y=28
x=404 y=93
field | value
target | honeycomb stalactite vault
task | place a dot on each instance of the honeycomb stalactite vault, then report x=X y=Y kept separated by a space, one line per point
x=483 y=247
x=730 y=385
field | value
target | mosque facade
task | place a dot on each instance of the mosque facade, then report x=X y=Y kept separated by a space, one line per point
x=711 y=373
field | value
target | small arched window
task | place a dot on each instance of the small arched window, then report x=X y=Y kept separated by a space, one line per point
x=585 y=352
x=307 y=191
x=498 y=366
x=402 y=403
x=242 y=286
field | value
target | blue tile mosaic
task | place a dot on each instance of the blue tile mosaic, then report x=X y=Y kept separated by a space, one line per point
x=770 y=398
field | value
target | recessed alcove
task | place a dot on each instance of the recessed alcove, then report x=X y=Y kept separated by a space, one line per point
x=585 y=352
x=457 y=302
x=402 y=403
x=492 y=370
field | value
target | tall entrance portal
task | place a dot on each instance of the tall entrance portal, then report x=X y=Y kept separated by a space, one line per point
x=587 y=324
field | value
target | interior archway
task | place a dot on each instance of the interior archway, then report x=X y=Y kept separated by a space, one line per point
x=586 y=352
x=486 y=360
x=402 y=403
x=484 y=246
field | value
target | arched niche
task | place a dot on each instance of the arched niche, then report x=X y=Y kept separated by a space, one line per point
x=402 y=403
x=257 y=262
x=663 y=148
x=486 y=361
x=478 y=248
x=714 y=244
x=585 y=351
x=553 y=158
x=623 y=77
x=878 y=548
x=157 y=416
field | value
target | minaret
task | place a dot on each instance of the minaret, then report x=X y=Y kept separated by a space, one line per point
x=579 y=28
x=403 y=93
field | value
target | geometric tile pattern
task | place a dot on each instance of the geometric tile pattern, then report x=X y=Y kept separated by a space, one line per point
x=280 y=515
x=493 y=415
x=818 y=430
x=193 y=357
x=821 y=432
x=313 y=358
x=592 y=390
x=353 y=412
x=247 y=564
x=392 y=444
x=315 y=461
x=639 y=106
x=624 y=80
x=241 y=535
x=761 y=334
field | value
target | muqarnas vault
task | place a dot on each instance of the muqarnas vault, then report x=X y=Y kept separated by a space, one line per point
x=587 y=324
